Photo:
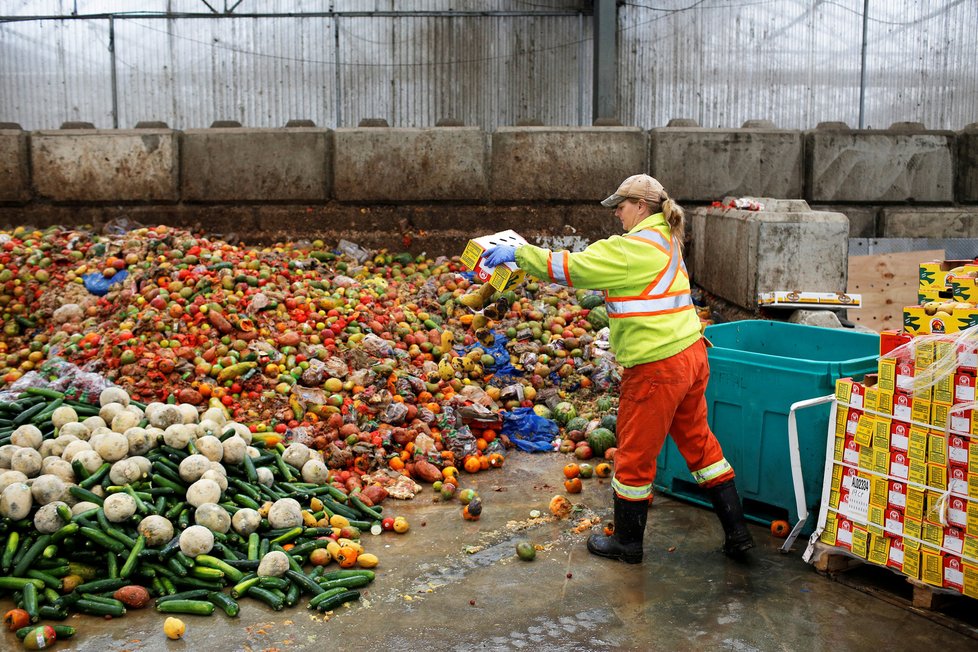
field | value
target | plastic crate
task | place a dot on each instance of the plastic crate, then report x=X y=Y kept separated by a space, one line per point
x=757 y=370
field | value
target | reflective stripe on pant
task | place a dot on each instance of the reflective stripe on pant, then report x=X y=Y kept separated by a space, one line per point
x=660 y=398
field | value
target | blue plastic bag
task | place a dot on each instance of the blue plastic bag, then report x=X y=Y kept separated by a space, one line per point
x=97 y=284
x=529 y=431
x=503 y=370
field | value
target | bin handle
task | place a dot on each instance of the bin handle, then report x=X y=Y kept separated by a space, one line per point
x=797 y=478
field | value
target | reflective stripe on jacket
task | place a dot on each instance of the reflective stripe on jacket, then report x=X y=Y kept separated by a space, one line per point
x=651 y=314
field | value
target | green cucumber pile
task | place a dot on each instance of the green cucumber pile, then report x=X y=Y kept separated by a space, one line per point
x=196 y=509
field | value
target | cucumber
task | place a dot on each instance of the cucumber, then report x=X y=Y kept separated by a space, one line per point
x=331 y=603
x=229 y=571
x=304 y=582
x=288 y=536
x=101 y=586
x=194 y=607
x=367 y=511
x=130 y=564
x=13 y=542
x=206 y=573
x=267 y=582
x=354 y=582
x=49 y=580
x=94 y=608
x=30 y=601
x=337 y=574
x=103 y=540
x=292 y=595
x=84 y=495
x=193 y=594
x=25 y=562
x=225 y=602
x=266 y=596
x=95 y=478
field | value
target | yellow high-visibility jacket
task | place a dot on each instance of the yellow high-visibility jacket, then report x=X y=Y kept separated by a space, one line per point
x=645 y=283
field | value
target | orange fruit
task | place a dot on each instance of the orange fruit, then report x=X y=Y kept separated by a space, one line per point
x=602 y=470
x=472 y=464
x=496 y=460
x=572 y=470
x=780 y=529
x=573 y=485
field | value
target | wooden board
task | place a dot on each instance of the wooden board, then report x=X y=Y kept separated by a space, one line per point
x=887 y=283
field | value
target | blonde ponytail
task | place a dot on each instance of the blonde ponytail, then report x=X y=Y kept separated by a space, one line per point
x=675 y=217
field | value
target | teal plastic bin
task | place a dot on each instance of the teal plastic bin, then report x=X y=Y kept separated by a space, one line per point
x=757 y=370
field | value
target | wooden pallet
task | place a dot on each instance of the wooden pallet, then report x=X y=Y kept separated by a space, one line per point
x=942 y=606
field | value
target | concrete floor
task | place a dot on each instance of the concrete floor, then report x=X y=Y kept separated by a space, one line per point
x=454 y=584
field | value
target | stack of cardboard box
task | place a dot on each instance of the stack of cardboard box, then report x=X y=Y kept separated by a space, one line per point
x=904 y=484
x=947 y=295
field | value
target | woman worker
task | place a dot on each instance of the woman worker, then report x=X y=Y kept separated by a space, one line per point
x=656 y=337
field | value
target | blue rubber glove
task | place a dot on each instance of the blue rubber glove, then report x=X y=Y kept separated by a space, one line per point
x=499 y=255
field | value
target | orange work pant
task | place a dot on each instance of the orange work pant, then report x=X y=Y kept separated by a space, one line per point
x=660 y=398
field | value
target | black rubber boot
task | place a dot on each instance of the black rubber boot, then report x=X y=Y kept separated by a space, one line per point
x=726 y=502
x=626 y=543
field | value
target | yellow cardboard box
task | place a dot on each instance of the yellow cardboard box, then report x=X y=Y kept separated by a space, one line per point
x=920 y=410
x=881 y=460
x=943 y=391
x=881 y=437
x=918 y=444
x=931 y=567
x=918 y=322
x=970 y=548
x=887 y=374
x=501 y=277
x=937 y=448
x=885 y=402
x=970 y=579
x=933 y=293
x=879 y=491
x=937 y=476
x=911 y=561
x=964 y=288
x=916 y=502
x=938 y=273
x=860 y=541
x=831 y=529
x=879 y=549
x=871 y=400
x=939 y=415
x=972 y=527
x=865 y=429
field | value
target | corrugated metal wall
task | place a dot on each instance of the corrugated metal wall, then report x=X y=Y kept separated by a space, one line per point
x=797 y=62
x=487 y=63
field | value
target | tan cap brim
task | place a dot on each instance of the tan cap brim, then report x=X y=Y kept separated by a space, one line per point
x=612 y=201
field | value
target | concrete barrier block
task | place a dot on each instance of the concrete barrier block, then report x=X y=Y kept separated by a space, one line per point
x=564 y=163
x=879 y=166
x=738 y=254
x=238 y=164
x=967 y=172
x=920 y=222
x=105 y=165
x=14 y=176
x=698 y=164
x=398 y=165
x=863 y=220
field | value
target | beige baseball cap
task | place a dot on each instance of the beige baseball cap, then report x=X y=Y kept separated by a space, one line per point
x=638 y=186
